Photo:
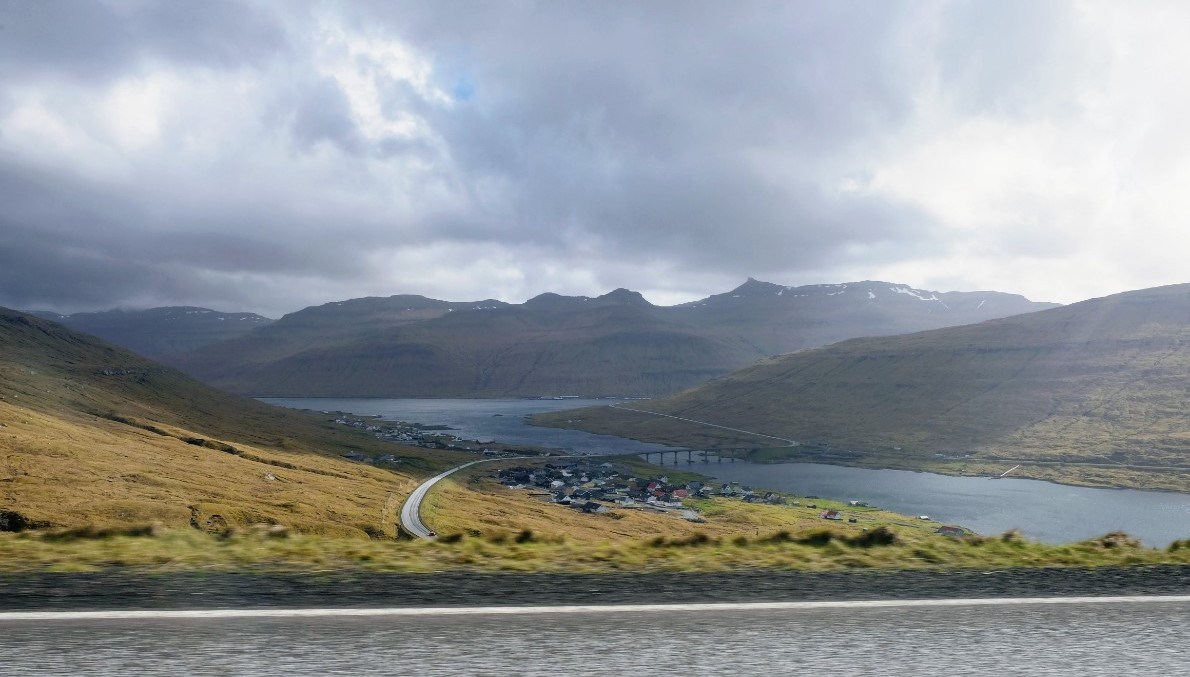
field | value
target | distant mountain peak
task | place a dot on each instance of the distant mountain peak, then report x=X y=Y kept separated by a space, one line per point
x=551 y=300
x=625 y=297
x=754 y=287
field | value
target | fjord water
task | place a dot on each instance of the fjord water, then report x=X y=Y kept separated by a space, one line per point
x=485 y=420
x=1053 y=513
x=1049 y=512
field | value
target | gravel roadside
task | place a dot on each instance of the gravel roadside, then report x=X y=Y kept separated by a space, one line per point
x=220 y=590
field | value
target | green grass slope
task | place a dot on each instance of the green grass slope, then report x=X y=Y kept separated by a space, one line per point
x=1105 y=381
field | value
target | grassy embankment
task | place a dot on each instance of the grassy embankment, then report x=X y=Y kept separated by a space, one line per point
x=487 y=527
x=105 y=472
x=178 y=550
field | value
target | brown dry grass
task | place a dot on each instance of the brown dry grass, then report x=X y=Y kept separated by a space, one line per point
x=177 y=550
x=91 y=434
x=104 y=473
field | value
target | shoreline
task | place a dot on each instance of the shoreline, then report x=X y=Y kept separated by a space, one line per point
x=878 y=460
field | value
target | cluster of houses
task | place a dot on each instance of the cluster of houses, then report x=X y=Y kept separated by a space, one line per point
x=598 y=487
x=413 y=434
x=583 y=484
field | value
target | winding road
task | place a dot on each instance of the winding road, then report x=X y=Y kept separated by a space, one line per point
x=410 y=516
x=411 y=510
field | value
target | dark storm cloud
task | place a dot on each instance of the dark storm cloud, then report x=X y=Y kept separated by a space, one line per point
x=69 y=245
x=323 y=113
x=645 y=124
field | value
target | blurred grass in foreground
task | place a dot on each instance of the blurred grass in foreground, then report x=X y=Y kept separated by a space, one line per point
x=265 y=549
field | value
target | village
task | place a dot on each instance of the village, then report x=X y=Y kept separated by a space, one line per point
x=596 y=487
x=426 y=436
x=588 y=485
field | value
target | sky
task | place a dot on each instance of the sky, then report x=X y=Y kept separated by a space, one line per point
x=267 y=156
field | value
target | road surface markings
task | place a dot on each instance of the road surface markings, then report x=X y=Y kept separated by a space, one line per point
x=580 y=609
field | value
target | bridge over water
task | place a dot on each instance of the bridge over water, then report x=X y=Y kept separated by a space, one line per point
x=676 y=456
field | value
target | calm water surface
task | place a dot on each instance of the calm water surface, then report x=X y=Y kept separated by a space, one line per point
x=1050 y=512
x=1068 y=639
x=502 y=420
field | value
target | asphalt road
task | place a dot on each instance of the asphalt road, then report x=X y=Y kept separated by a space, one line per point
x=410 y=515
x=1001 y=638
x=411 y=510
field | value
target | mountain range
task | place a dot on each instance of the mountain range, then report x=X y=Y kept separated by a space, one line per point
x=617 y=344
x=1104 y=381
x=160 y=333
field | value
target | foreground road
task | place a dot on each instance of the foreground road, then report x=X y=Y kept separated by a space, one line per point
x=959 y=637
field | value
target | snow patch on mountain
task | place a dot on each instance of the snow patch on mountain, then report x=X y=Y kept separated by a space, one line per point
x=915 y=293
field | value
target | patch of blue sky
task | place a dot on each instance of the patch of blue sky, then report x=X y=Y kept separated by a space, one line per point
x=464 y=89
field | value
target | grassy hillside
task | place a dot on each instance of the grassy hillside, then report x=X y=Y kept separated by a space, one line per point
x=487 y=527
x=93 y=434
x=1102 y=382
x=615 y=344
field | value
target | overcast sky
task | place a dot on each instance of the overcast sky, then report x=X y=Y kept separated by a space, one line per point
x=267 y=156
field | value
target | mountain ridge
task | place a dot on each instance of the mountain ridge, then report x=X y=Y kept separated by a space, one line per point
x=161 y=332
x=615 y=344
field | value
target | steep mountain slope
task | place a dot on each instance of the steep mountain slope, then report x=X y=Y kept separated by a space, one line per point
x=1102 y=381
x=317 y=328
x=776 y=319
x=90 y=433
x=551 y=345
x=615 y=344
x=161 y=332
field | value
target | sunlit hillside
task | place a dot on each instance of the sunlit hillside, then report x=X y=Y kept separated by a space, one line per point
x=92 y=434
x=1099 y=385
